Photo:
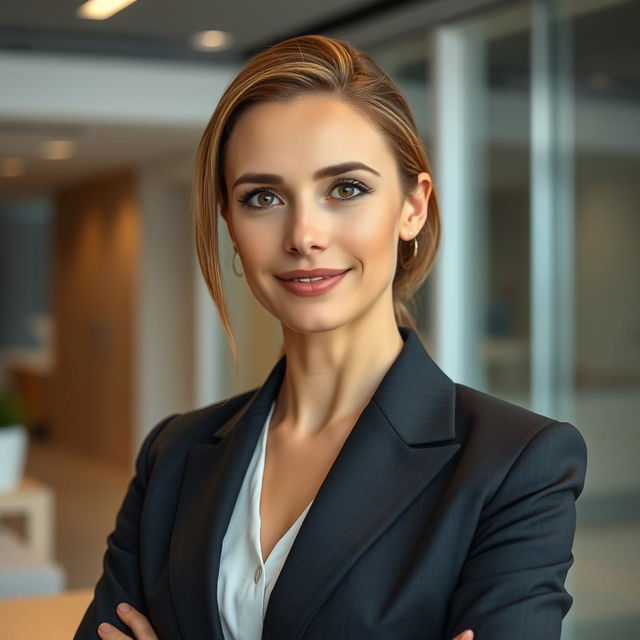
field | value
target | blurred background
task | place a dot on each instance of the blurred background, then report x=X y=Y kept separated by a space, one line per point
x=530 y=111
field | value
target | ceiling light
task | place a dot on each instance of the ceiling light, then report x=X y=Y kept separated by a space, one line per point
x=101 y=9
x=57 y=150
x=11 y=167
x=211 y=40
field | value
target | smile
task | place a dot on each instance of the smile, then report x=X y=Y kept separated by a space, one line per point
x=312 y=286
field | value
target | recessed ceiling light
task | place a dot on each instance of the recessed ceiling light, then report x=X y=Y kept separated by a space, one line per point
x=211 y=40
x=11 y=167
x=101 y=9
x=57 y=149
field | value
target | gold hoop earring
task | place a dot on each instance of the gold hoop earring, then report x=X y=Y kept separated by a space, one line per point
x=406 y=264
x=415 y=245
x=233 y=263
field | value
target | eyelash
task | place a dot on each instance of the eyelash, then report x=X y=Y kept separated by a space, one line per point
x=244 y=201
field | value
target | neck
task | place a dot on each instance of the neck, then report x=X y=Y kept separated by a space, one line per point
x=331 y=375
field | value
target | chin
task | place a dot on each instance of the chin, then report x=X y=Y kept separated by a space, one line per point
x=312 y=324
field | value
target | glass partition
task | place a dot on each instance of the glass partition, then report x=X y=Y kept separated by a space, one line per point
x=531 y=115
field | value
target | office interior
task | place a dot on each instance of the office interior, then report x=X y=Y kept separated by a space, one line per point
x=530 y=113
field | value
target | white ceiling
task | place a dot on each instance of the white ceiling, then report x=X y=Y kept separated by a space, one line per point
x=103 y=148
x=153 y=32
x=160 y=28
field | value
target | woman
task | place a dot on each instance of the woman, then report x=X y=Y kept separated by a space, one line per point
x=359 y=492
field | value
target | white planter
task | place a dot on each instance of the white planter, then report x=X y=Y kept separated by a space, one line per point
x=13 y=451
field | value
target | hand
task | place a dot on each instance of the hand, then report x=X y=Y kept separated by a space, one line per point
x=143 y=630
x=137 y=622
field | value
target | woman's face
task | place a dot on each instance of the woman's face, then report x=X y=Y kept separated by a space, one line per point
x=294 y=218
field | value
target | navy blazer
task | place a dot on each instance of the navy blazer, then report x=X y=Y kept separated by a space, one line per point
x=446 y=509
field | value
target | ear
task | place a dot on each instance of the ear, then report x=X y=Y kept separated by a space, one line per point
x=416 y=207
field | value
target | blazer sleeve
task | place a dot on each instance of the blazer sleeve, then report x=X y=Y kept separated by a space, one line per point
x=512 y=582
x=120 y=580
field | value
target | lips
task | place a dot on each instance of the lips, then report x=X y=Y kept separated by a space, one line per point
x=313 y=273
x=313 y=287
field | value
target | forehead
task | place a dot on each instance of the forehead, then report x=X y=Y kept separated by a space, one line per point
x=299 y=135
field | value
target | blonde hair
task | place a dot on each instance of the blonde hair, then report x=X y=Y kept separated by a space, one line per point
x=305 y=64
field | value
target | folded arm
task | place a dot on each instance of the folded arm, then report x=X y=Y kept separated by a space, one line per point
x=512 y=582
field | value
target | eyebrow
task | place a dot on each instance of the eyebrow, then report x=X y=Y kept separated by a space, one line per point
x=325 y=172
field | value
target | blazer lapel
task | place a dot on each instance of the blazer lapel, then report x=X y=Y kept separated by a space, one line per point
x=212 y=479
x=378 y=473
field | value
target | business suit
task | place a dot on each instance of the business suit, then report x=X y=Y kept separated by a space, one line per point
x=445 y=509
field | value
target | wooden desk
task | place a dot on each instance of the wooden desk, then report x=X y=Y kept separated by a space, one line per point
x=35 y=501
x=50 y=617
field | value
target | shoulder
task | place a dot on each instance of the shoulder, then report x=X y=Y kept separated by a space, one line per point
x=480 y=415
x=499 y=437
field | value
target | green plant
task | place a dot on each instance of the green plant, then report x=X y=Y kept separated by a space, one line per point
x=11 y=408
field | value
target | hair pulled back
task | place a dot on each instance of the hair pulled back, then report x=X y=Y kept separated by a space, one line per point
x=305 y=64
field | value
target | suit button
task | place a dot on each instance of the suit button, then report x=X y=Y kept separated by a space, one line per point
x=258 y=574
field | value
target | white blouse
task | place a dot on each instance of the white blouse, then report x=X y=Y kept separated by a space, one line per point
x=244 y=581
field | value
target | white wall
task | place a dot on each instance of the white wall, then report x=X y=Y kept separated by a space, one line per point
x=164 y=359
x=66 y=87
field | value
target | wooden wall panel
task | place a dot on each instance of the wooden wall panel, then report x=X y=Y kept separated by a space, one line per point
x=95 y=255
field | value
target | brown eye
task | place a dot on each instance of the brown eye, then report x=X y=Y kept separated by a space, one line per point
x=265 y=198
x=345 y=190
x=258 y=199
x=349 y=190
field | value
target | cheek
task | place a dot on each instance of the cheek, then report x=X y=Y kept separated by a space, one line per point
x=255 y=243
x=374 y=234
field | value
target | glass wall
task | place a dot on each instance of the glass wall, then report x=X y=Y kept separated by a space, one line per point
x=605 y=56
x=24 y=274
x=506 y=354
x=533 y=127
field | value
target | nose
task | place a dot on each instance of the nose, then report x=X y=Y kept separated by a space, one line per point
x=306 y=230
